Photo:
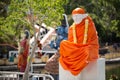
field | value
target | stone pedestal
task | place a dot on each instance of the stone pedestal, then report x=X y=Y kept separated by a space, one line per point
x=95 y=70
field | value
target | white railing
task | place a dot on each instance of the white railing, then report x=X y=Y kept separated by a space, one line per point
x=42 y=51
x=5 y=75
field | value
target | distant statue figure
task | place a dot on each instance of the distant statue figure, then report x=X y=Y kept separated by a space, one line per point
x=23 y=51
x=62 y=34
x=52 y=65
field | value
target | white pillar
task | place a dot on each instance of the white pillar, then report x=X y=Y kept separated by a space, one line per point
x=95 y=70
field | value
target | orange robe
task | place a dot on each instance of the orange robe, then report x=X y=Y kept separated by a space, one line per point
x=75 y=56
x=22 y=57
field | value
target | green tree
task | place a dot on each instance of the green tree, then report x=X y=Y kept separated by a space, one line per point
x=105 y=13
x=48 y=11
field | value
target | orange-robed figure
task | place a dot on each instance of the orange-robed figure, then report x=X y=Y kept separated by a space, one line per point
x=23 y=52
x=82 y=45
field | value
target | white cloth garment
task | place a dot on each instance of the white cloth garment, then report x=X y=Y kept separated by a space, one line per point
x=79 y=17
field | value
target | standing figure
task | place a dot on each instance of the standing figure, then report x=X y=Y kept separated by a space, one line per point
x=81 y=47
x=62 y=34
x=52 y=65
x=23 y=51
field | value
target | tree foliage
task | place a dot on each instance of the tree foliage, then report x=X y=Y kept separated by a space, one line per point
x=14 y=16
x=105 y=13
x=19 y=13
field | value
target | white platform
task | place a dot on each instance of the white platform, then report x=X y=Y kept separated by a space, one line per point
x=94 y=71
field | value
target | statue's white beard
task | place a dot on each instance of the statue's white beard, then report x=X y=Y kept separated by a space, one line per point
x=78 y=18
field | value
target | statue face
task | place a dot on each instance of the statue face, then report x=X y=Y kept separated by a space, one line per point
x=79 y=17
